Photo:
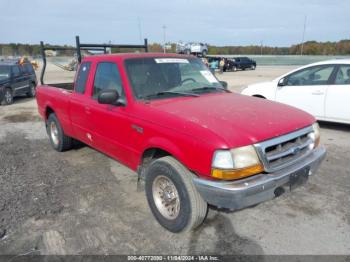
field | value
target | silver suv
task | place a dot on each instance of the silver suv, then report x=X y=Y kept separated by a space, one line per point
x=192 y=48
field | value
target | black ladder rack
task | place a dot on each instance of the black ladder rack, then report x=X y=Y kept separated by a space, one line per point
x=79 y=47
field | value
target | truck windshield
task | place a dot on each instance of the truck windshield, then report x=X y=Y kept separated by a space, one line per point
x=4 y=72
x=154 y=78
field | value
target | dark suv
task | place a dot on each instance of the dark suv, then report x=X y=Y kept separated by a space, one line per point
x=233 y=64
x=16 y=78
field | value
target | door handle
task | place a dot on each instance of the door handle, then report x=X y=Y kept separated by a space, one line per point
x=318 y=92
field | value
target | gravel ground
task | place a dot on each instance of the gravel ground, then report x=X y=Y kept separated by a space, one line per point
x=83 y=202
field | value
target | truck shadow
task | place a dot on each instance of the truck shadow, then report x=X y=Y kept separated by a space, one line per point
x=22 y=99
x=228 y=242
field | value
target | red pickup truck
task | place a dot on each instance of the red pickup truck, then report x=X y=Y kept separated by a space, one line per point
x=191 y=140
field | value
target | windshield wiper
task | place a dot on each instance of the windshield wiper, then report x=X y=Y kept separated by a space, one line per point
x=169 y=92
x=210 y=88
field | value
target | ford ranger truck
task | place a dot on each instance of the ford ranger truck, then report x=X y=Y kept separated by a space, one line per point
x=190 y=140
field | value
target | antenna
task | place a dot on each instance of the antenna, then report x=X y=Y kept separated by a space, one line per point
x=302 y=40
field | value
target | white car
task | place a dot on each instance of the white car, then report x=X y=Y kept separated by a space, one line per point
x=322 y=89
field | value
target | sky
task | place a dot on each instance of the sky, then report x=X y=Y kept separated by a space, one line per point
x=235 y=22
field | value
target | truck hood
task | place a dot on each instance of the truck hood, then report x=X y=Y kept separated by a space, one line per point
x=235 y=119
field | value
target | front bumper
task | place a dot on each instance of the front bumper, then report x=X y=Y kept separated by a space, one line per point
x=256 y=189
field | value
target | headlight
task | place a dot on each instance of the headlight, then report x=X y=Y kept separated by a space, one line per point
x=236 y=163
x=315 y=135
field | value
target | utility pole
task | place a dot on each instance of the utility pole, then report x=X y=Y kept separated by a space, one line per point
x=164 y=28
x=302 y=40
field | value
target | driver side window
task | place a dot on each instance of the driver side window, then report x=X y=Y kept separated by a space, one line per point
x=317 y=75
x=107 y=77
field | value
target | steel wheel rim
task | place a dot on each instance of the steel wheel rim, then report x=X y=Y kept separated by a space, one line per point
x=8 y=97
x=54 y=133
x=166 y=197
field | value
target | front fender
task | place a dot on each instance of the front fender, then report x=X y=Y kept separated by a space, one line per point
x=193 y=154
x=165 y=145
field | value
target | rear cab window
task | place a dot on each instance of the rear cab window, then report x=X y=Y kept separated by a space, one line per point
x=80 y=82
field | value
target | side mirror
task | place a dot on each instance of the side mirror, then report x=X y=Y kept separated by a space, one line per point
x=108 y=97
x=224 y=84
x=282 y=82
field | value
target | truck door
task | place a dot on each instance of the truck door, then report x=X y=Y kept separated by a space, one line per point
x=79 y=108
x=111 y=124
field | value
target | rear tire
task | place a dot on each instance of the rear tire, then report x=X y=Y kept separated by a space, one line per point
x=234 y=68
x=253 y=67
x=8 y=97
x=59 y=141
x=32 y=90
x=172 y=196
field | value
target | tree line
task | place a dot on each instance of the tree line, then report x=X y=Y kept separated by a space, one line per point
x=308 y=48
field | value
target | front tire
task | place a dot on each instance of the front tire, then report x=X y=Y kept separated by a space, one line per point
x=32 y=90
x=59 y=141
x=172 y=196
x=8 y=97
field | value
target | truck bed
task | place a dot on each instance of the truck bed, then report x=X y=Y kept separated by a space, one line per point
x=66 y=86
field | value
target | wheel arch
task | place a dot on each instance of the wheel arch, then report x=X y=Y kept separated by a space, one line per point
x=157 y=148
x=48 y=111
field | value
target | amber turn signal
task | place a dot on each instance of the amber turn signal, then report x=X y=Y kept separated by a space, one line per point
x=232 y=174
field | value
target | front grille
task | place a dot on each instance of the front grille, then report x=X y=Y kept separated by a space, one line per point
x=284 y=150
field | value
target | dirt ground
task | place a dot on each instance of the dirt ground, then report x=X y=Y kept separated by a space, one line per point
x=83 y=202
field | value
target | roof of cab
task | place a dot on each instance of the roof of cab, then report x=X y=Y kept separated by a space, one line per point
x=122 y=56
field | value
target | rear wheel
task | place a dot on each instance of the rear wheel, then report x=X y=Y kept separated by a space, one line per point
x=32 y=90
x=172 y=196
x=204 y=53
x=234 y=68
x=59 y=141
x=8 y=97
x=252 y=67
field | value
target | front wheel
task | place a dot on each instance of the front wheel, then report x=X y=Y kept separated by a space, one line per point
x=32 y=90
x=8 y=97
x=172 y=196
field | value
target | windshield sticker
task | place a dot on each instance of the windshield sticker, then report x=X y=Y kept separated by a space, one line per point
x=209 y=76
x=171 y=60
